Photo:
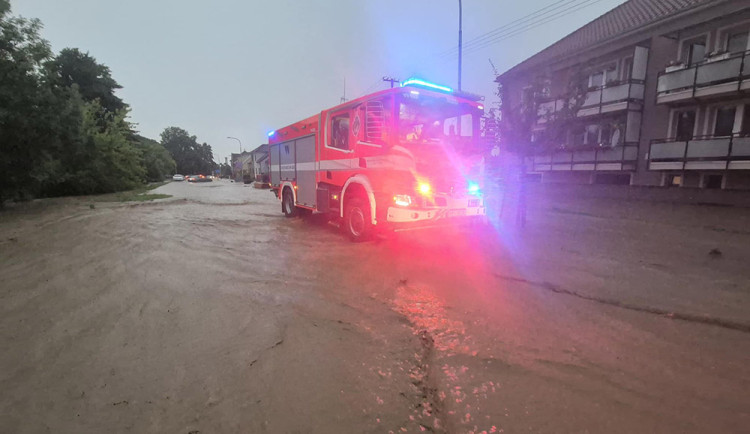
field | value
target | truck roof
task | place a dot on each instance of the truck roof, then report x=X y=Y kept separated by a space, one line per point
x=310 y=125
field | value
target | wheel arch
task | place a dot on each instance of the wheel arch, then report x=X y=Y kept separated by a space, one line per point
x=287 y=184
x=358 y=184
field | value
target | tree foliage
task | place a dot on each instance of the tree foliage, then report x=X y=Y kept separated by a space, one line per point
x=93 y=80
x=25 y=103
x=521 y=111
x=191 y=157
x=63 y=130
x=157 y=161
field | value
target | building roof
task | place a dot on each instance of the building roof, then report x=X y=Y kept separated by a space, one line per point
x=629 y=16
x=260 y=149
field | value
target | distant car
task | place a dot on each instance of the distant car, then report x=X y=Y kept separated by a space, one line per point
x=199 y=178
x=178 y=177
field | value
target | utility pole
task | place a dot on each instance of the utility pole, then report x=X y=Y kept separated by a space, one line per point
x=343 y=98
x=459 y=43
x=391 y=80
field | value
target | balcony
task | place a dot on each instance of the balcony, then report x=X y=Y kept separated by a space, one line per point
x=701 y=153
x=590 y=159
x=716 y=76
x=604 y=99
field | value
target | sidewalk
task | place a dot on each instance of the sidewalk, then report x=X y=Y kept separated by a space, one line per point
x=625 y=247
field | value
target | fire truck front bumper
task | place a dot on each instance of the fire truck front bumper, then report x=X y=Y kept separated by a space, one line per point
x=403 y=219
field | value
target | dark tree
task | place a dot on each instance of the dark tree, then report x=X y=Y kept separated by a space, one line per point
x=191 y=157
x=94 y=80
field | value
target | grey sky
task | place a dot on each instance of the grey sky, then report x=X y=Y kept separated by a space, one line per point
x=242 y=67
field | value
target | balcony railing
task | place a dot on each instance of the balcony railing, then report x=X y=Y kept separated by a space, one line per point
x=602 y=99
x=588 y=159
x=704 y=152
x=718 y=74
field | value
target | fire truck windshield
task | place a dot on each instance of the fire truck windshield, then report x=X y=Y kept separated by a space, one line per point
x=427 y=119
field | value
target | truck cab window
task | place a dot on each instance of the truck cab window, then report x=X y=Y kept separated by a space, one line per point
x=429 y=119
x=339 y=137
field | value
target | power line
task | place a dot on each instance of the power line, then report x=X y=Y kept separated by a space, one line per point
x=531 y=25
x=560 y=11
x=536 y=22
x=513 y=23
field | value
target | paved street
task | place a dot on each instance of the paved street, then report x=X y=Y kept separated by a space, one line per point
x=211 y=312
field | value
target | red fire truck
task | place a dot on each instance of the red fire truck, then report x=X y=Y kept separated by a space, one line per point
x=402 y=158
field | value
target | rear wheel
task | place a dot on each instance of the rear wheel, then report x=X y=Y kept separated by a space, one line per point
x=357 y=221
x=287 y=203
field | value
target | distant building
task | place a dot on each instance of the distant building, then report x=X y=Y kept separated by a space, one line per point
x=666 y=96
x=240 y=165
x=260 y=168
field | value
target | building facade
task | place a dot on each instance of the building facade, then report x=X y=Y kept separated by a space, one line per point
x=260 y=168
x=662 y=97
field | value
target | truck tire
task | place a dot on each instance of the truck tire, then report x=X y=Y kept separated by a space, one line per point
x=357 y=221
x=287 y=203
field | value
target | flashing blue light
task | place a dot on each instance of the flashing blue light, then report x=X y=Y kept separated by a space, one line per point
x=473 y=188
x=271 y=133
x=426 y=84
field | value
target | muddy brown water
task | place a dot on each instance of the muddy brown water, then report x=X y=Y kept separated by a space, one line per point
x=211 y=312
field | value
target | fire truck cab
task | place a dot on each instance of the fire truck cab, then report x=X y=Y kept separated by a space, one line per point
x=403 y=158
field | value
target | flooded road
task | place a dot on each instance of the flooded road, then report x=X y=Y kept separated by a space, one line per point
x=211 y=312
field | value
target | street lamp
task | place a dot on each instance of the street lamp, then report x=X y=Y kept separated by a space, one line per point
x=459 y=44
x=238 y=141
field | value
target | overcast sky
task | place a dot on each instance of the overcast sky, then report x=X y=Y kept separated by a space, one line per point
x=243 y=67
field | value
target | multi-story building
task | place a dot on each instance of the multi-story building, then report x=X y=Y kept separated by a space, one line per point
x=663 y=96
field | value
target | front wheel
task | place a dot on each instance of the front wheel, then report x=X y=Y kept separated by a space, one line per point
x=287 y=204
x=357 y=221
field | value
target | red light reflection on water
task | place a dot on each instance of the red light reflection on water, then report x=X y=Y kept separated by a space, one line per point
x=438 y=268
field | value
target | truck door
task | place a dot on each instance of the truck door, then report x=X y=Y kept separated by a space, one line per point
x=273 y=164
x=306 y=169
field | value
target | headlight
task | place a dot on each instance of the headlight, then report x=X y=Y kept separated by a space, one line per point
x=402 y=199
x=424 y=188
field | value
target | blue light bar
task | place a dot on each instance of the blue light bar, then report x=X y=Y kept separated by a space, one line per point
x=473 y=188
x=271 y=133
x=426 y=84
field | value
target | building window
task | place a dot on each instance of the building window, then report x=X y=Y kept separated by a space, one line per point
x=340 y=131
x=737 y=42
x=684 y=124
x=713 y=181
x=694 y=50
x=592 y=134
x=600 y=77
x=746 y=120
x=597 y=79
x=724 y=121
x=605 y=137
x=673 y=180
x=577 y=135
x=627 y=69
x=545 y=87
